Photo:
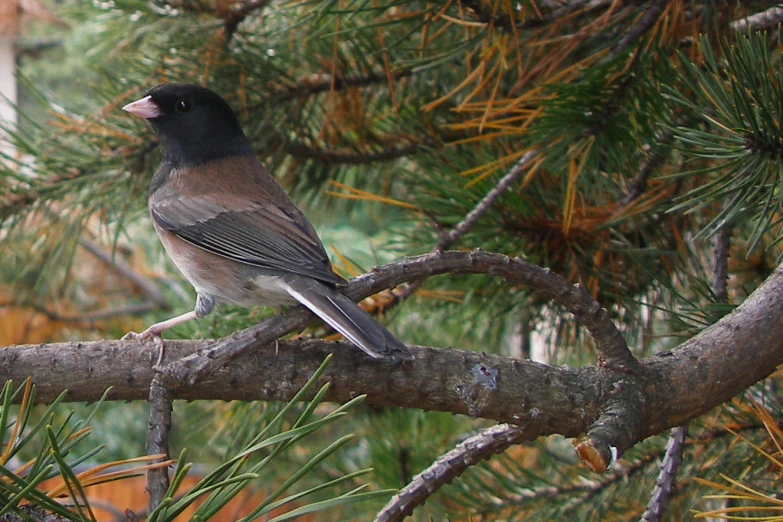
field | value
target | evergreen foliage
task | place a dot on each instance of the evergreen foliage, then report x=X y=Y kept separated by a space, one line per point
x=652 y=125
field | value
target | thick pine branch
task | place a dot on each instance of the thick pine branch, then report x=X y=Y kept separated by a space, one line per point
x=667 y=389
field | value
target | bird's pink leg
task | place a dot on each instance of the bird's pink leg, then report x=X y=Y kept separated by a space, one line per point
x=154 y=331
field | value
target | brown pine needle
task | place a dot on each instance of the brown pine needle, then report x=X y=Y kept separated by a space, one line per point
x=498 y=165
x=575 y=167
x=363 y=195
x=451 y=296
x=28 y=386
x=494 y=165
x=472 y=76
x=464 y=23
x=348 y=266
x=482 y=84
x=489 y=103
x=92 y=476
x=483 y=137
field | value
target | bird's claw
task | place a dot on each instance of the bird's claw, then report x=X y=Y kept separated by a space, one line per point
x=146 y=335
x=135 y=336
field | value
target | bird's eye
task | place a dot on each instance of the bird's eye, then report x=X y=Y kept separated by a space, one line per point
x=182 y=105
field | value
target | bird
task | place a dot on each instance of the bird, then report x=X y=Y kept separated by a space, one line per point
x=231 y=229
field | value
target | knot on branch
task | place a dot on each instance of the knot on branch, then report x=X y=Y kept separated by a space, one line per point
x=481 y=382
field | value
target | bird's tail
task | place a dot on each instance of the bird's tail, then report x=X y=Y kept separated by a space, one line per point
x=348 y=318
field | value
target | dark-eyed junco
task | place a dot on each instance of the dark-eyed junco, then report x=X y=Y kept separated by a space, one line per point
x=231 y=229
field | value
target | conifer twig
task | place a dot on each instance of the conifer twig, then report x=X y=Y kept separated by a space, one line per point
x=639 y=183
x=646 y=21
x=486 y=202
x=329 y=83
x=558 y=14
x=667 y=477
x=655 y=155
x=449 y=466
x=756 y=22
x=472 y=217
x=720 y=264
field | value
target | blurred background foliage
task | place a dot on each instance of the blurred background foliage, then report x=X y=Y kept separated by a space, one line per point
x=652 y=125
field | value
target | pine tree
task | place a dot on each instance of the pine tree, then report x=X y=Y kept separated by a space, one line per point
x=631 y=149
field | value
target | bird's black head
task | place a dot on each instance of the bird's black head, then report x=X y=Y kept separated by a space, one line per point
x=193 y=124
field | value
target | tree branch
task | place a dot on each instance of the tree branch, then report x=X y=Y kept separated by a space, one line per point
x=759 y=21
x=161 y=398
x=702 y=373
x=446 y=468
x=449 y=380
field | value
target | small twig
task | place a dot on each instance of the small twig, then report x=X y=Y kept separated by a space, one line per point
x=34 y=513
x=87 y=317
x=447 y=467
x=638 y=185
x=567 y=8
x=755 y=22
x=579 y=491
x=647 y=20
x=493 y=19
x=155 y=298
x=471 y=218
x=486 y=203
x=667 y=478
x=328 y=83
x=655 y=155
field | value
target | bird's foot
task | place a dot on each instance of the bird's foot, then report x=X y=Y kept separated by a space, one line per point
x=150 y=333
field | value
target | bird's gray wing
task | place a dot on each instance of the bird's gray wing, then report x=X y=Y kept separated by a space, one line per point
x=262 y=235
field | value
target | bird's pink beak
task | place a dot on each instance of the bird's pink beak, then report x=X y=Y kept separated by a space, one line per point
x=145 y=108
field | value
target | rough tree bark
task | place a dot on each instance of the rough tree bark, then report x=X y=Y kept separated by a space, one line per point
x=618 y=406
